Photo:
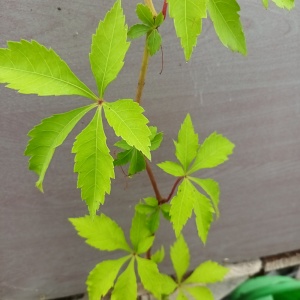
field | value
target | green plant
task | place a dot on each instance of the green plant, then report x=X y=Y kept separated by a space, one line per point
x=31 y=68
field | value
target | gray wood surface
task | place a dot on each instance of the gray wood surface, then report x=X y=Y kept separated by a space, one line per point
x=252 y=100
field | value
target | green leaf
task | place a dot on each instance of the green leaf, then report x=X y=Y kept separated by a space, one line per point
x=93 y=163
x=154 y=41
x=47 y=136
x=165 y=209
x=138 y=30
x=150 y=276
x=154 y=221
x=145 y=209
x=211 y=187
x=182 y=205
x=151 y=201
x=187 y=144
x=159 y=255
x=101 y=232
x=155 y=138
x=287 y=4
x=135 y=159
x=127 y=119
x=144 y=14
x=187 y=15
x=123 y=157
x=181 y=296
x=123 y=145
x=180 y=256
x=207 y=272
x=265 y=3
x=168 y=285
x=204 y=215
x=226 y=20
x=172 y=168
x=101 y=278
x=159 y=19
x=213 y=152
x=109 y=47
x=139 y=230
x=200 y=293
x=126 y=286
x=31 y=68
x=145 y=244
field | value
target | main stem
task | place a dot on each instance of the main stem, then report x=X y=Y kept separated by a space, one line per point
x=142 y=76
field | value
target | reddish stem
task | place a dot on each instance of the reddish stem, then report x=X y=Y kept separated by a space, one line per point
x=164 y=9
x=153 y=181
x=172 y=191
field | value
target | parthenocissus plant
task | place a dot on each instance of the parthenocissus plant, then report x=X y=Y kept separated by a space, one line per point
x=31 y=68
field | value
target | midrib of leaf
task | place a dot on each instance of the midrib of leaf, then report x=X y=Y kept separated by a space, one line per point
x=93 y=96
x=107 y=58
x=125 y=125
x=181 y=204
x=96 y=153
x=232 y=33
x=185 y=18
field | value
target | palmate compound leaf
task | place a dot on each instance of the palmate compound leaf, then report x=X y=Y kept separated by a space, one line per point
x=109 y=46
x=182 y=205
x=31 y=68
x=47 y=136
x=101 y=232
x=180 y=257
x=150 y=276
x=187 y=143
x=101 y=278
x=187 y=15
x=127 y=119
x=93 y=163
x=227 y=24
x=213 y=152
x=126 y=285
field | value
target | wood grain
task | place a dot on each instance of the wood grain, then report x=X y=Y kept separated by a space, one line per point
x=252 y=100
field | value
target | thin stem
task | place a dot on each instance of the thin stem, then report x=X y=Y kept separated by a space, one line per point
x=153 y=182
x=172 y=191
x=142 y=76
x=149 y=3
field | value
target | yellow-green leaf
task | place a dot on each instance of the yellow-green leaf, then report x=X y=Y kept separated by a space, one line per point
x=187 y=15
x=109 y=47
x=93 y=163
x=31 y=68
x=226 y=20
x=127 y=119
x=101 y=278
x=47 y=136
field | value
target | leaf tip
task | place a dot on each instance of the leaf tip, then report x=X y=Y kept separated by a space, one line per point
x=39 y=185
